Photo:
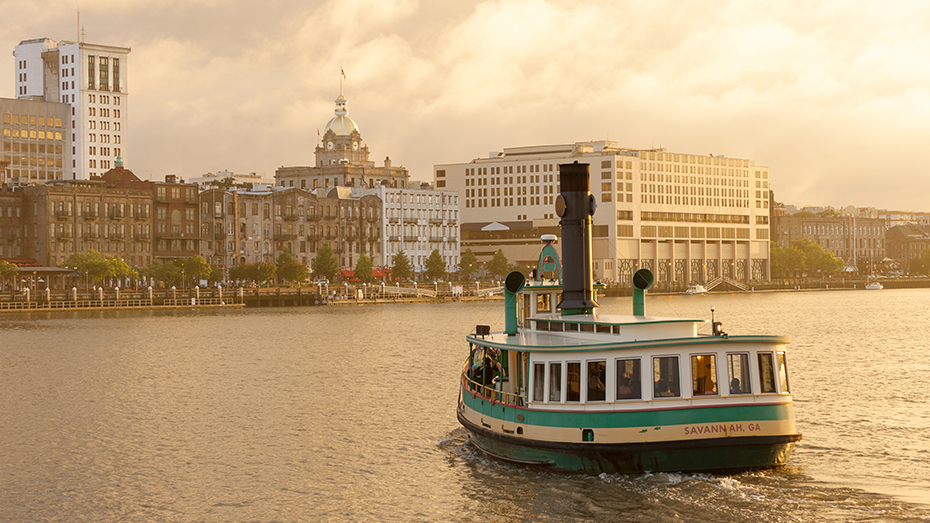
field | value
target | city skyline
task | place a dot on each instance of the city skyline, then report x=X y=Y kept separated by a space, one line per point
x=829 y=97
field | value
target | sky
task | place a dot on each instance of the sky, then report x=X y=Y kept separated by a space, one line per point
x=832 y=96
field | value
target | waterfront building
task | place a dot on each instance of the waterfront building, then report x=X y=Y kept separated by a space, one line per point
x=417 y=221
x=907 y=242
x=342 y=160
x=689 y=218
x=242 y=226
x=93 y=80
x=857 y=237
x=175 y=220
x=416 y=218
x=35 y=141
x=67 y=216
x=11 y=224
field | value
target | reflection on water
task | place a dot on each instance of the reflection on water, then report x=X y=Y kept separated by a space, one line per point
x=347 y=414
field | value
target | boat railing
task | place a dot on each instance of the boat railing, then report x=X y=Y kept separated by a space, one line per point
x=488 y=391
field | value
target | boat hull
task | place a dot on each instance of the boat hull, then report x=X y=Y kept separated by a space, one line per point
x=705 y=455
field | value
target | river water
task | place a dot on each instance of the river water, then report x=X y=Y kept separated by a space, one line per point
x=348 y=414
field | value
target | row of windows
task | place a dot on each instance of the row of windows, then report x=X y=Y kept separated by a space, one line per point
x=39 y=121
x=31 y=134
x=596 y=381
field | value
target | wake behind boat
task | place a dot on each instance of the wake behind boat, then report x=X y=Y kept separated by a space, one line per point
x=573 y=390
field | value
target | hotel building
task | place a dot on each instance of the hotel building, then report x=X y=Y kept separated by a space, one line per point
x=689 y=218
x=93 y=79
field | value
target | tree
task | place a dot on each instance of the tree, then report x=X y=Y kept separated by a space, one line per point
x=499 y=265
x=116 y=268
x=91 y=263
x=168 y=272
x=8 y=271
x=195 y=268
x=468 y=266
x=364 y=269
x=402 y=268
x=803 y=256
x=263 y=272
x=325 y=265
x=435 y=265
x=289 y=269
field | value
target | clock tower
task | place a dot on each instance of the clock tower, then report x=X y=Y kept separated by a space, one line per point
x=342 y=143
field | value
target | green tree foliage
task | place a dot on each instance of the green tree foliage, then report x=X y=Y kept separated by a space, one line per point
x=168 y=272
x=468 y=266
x=195 y=268
x=8 y=271
x=289 y=269
x=117 y=269
x=401 y=269
x=229 y=182
x=325 y=265
x=499 y=266
x=91 y=263
x=803 y=257
x=364 y=269
x=435 y=265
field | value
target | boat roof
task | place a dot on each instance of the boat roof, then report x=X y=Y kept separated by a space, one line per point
x=618 y=332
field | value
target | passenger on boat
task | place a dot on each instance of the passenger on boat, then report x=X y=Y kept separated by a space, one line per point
x=625 y=390
x=734 y=386
x=662 y=389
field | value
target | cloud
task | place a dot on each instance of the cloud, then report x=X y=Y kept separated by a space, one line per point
x=830 y=95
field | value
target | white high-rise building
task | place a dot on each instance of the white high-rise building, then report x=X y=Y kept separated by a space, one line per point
x=690 y=218
x=93 y=79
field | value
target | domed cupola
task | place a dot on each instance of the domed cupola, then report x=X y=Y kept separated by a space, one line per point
x=341 y=124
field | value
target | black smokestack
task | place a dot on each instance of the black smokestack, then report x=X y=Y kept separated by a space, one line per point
x=575 y=205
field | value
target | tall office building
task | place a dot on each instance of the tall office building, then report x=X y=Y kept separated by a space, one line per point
x=689 y=218
x=93 y=79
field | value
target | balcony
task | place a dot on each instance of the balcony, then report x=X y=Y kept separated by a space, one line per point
x=140 y=217
x=219 y=235
x=436 y=220
x=289 y=216
x=393 y=220
x=90 y=215
x=62 y=215
x=284 y=237
x=315 y=217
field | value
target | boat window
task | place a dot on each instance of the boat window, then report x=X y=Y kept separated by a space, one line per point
x=542 y=325
x=525 y=310
x=783 y=372
x=665 y=378
x=542 y=303
x=587 y=327
x=603 y=328
x=555 y=382
x=556 y=326
x=573 y=381
x=597 y=378
x=703 y=375
x=738 y=369
x=616 y=329
x=539 y=381
x=766 y=372
x=629 y=384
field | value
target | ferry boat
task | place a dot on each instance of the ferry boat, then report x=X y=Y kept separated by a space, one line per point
x=696 y=289
x=874 y=286
x=569 y=389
